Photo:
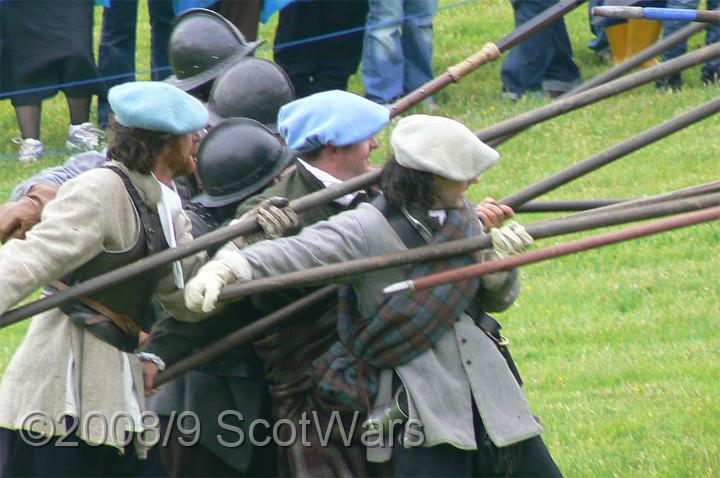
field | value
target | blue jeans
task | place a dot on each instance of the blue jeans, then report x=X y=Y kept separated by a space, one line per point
x=397 y=53
x=117 y=44
x=712 y=34
x=599 y=42
x=545 y=60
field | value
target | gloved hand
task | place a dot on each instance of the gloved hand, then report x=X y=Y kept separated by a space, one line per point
x=510 y=240
x=201 y=293
x=16 y=218
x=275 y=218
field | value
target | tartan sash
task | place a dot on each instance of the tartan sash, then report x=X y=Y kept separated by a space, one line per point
x=403 y=327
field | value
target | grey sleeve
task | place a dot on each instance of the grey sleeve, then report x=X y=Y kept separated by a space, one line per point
x=341 y=238
x=502 y=298
x=58 y=175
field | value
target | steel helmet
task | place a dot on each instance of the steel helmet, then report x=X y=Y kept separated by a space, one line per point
x=252 y=88
x=236 y=159
x=202 y=45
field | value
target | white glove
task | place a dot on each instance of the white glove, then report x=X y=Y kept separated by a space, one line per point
x=510 y=240
x=203 y=290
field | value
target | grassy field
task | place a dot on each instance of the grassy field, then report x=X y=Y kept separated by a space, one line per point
x=618 y=347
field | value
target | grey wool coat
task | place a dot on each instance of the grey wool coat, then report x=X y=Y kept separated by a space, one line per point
x=92 y=213
x=463 y=366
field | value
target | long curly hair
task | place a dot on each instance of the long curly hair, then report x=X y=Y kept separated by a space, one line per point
x=402 y=186
x=138 y=149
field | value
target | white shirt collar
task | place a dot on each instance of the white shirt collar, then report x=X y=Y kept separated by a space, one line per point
x=439 y=214
x=328 y=180
x=169 y=206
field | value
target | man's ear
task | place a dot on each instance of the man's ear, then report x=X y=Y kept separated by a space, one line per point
x=332 y=151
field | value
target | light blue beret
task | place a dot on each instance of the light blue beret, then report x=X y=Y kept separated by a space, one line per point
x=336 y=118
x=157 y=106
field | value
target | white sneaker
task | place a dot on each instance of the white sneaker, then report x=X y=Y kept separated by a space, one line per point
x=30 y=149
x=84 y=136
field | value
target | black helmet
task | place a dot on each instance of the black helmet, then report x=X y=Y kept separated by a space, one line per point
x=252 y=88
x=237 y=158
x=202 y=45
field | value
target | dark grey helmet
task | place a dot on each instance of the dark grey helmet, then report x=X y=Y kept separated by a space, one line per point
x=252 y=88
x=238 y=158
x=202 y=45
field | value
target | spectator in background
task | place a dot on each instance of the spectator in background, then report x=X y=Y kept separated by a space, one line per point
x=47 y=47
x=629 y=37
x=116 y=57
x=243 y=14
x=599 y=43
x=325 y=63
x=397 y=54
x=543 y=64
x=711 y=70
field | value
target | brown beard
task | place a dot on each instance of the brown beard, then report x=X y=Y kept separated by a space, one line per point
x=178 y=165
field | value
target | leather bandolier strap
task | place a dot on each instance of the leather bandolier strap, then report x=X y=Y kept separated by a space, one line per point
x=115 y=315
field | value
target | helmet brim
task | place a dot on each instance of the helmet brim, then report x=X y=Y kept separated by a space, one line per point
x=195 y=81
x=208 y=200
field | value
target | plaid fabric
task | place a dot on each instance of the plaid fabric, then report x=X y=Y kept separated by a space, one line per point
x=324 y=454
x=402 y=328
x=287 y=351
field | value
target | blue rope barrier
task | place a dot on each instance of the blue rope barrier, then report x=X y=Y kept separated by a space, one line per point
x=68 y=152
x=303 y=41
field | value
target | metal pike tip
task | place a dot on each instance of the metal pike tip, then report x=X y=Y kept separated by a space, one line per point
x=399 y=287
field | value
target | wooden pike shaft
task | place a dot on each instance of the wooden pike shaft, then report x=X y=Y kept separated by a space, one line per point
x=251 y=332
x=662 y=14
x=219 y=236
x=641 y=57
x=592 y=206
x=569 y=224
x=249 y=225
x=245 y=335
x=489 y=52
x=652 y=51
x=567 y=205
x=609 y=155
x=601 y=240
x=565 y=105
x=699 y=190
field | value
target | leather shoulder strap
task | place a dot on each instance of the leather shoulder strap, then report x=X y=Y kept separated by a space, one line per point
x=400 y=224
x=134 y=194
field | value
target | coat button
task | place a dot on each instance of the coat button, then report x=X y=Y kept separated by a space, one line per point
x=463 y=340
x=468 y=362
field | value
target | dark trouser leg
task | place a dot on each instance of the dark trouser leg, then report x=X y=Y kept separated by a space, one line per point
x=298 y=21
x=529 y=458
x=161 y=17
x=79 y=108
x=547 y=56
x=339 y=57
x=534 y=460
x=190 y=461
x=117 y=48
x=524 y=67
x=28 y=117
x=244 y=14
x=562 y=73
x=82 y=460
x=436 y=461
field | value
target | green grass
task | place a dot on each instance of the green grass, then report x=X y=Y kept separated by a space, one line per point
x=618 y=347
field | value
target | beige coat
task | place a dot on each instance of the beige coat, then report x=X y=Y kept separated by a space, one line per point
x=91 y=214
